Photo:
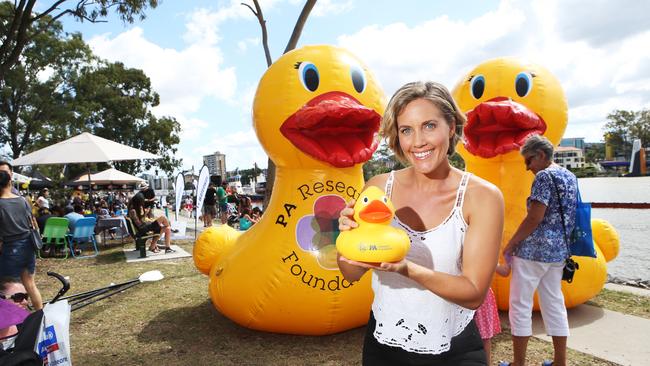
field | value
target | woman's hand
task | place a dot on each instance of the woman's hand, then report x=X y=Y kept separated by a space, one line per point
x=509 y=249
x=346 y=222
x=400 y=267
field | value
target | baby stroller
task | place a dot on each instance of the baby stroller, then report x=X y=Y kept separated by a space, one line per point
x=43 y=337
x=37 y=338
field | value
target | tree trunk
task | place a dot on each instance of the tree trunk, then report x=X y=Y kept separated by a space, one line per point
x=293 y=41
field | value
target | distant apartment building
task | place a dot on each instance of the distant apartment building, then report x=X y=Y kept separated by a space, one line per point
x=160 y=183
x=578 y=142
x=569 y=157
x=216 y=163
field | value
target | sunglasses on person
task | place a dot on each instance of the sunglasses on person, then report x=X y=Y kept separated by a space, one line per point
x=528 y=159
x=17 y=297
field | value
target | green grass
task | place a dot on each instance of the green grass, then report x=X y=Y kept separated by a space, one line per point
x=623 y=302
x=173 y=322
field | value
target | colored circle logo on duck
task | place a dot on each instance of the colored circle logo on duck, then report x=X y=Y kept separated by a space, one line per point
x=317 y=233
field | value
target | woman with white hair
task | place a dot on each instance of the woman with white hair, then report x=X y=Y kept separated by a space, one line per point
x=539 y=249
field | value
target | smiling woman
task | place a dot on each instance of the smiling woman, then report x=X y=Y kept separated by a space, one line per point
x=424 y=304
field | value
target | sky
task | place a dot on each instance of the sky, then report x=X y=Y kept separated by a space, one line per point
x=205 y=58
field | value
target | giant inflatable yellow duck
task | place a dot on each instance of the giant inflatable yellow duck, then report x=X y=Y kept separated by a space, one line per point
x=506 y=101
x=374 y=240
x=316 y=113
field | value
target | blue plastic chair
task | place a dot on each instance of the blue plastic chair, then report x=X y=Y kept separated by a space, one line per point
x=91 y=215
x=84 y=233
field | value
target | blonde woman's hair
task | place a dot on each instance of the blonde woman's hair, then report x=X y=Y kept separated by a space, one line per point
x=434 y=92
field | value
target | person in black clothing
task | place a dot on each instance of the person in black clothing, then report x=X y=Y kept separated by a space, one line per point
x=144 y=221
x=44 y=214
x=209 y=205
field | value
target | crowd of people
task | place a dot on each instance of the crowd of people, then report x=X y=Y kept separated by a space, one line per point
x=230 y=207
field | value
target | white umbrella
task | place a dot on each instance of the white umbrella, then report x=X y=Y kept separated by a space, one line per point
x=109 y=176
x=83 y=148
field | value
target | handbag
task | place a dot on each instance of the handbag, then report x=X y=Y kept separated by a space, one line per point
x=34 y=233
x=570 y=266
x=582 y=241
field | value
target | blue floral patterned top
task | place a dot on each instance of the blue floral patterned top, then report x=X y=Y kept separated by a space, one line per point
x=546 y=243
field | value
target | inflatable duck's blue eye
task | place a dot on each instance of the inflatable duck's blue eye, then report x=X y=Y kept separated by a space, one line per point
x=523 y=83
x=358 y=78
x=365 y=200
x=308 y=74
x=477 y=86
x=385 y=199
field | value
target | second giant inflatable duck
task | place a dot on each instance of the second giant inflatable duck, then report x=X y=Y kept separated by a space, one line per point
x=316 y=113
x=506 y=101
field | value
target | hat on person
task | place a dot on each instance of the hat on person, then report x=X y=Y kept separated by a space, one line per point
x=143 y=185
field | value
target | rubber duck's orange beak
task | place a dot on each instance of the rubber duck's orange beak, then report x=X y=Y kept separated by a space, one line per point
x=500 y=125
x=376 y=212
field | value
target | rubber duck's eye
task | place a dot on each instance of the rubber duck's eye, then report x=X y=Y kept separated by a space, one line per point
x=365 y=199
x=477 y=86
x=358 y=78
x=309 y=75
x=523 y=83
x=385 y=199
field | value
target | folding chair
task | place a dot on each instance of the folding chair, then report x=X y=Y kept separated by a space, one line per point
x=55 y=234
x=84 y=233
x=140 y=240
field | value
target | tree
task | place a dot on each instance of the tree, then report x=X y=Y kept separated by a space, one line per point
x=382 y=161
x=34 y=94
x=115 y=102
x=623 y=127
x=293 y=41
x=594 y=152
x=17 y=26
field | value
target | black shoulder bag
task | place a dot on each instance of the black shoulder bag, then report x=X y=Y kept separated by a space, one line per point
x=570 y=266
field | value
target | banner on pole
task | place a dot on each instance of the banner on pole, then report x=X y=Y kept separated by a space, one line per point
x=201 y=188
x=180 y=187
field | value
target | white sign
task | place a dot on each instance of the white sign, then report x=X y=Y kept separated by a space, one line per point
x=179 y=186
x=204 y=181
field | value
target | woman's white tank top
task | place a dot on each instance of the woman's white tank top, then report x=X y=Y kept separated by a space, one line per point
x=408 y=315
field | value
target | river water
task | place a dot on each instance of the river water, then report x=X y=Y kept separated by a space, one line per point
x=632 y=225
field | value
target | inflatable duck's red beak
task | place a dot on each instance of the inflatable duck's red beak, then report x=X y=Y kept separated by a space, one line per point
x=500 y=125
x=376 y=212
x=335 y=128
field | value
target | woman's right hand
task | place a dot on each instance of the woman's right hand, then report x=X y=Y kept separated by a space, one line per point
x=346 y=221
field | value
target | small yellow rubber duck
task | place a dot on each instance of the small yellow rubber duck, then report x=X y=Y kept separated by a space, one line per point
x=374 y=240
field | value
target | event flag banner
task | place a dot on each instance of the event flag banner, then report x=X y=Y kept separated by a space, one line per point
x=201 y=188
x=180 y=187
